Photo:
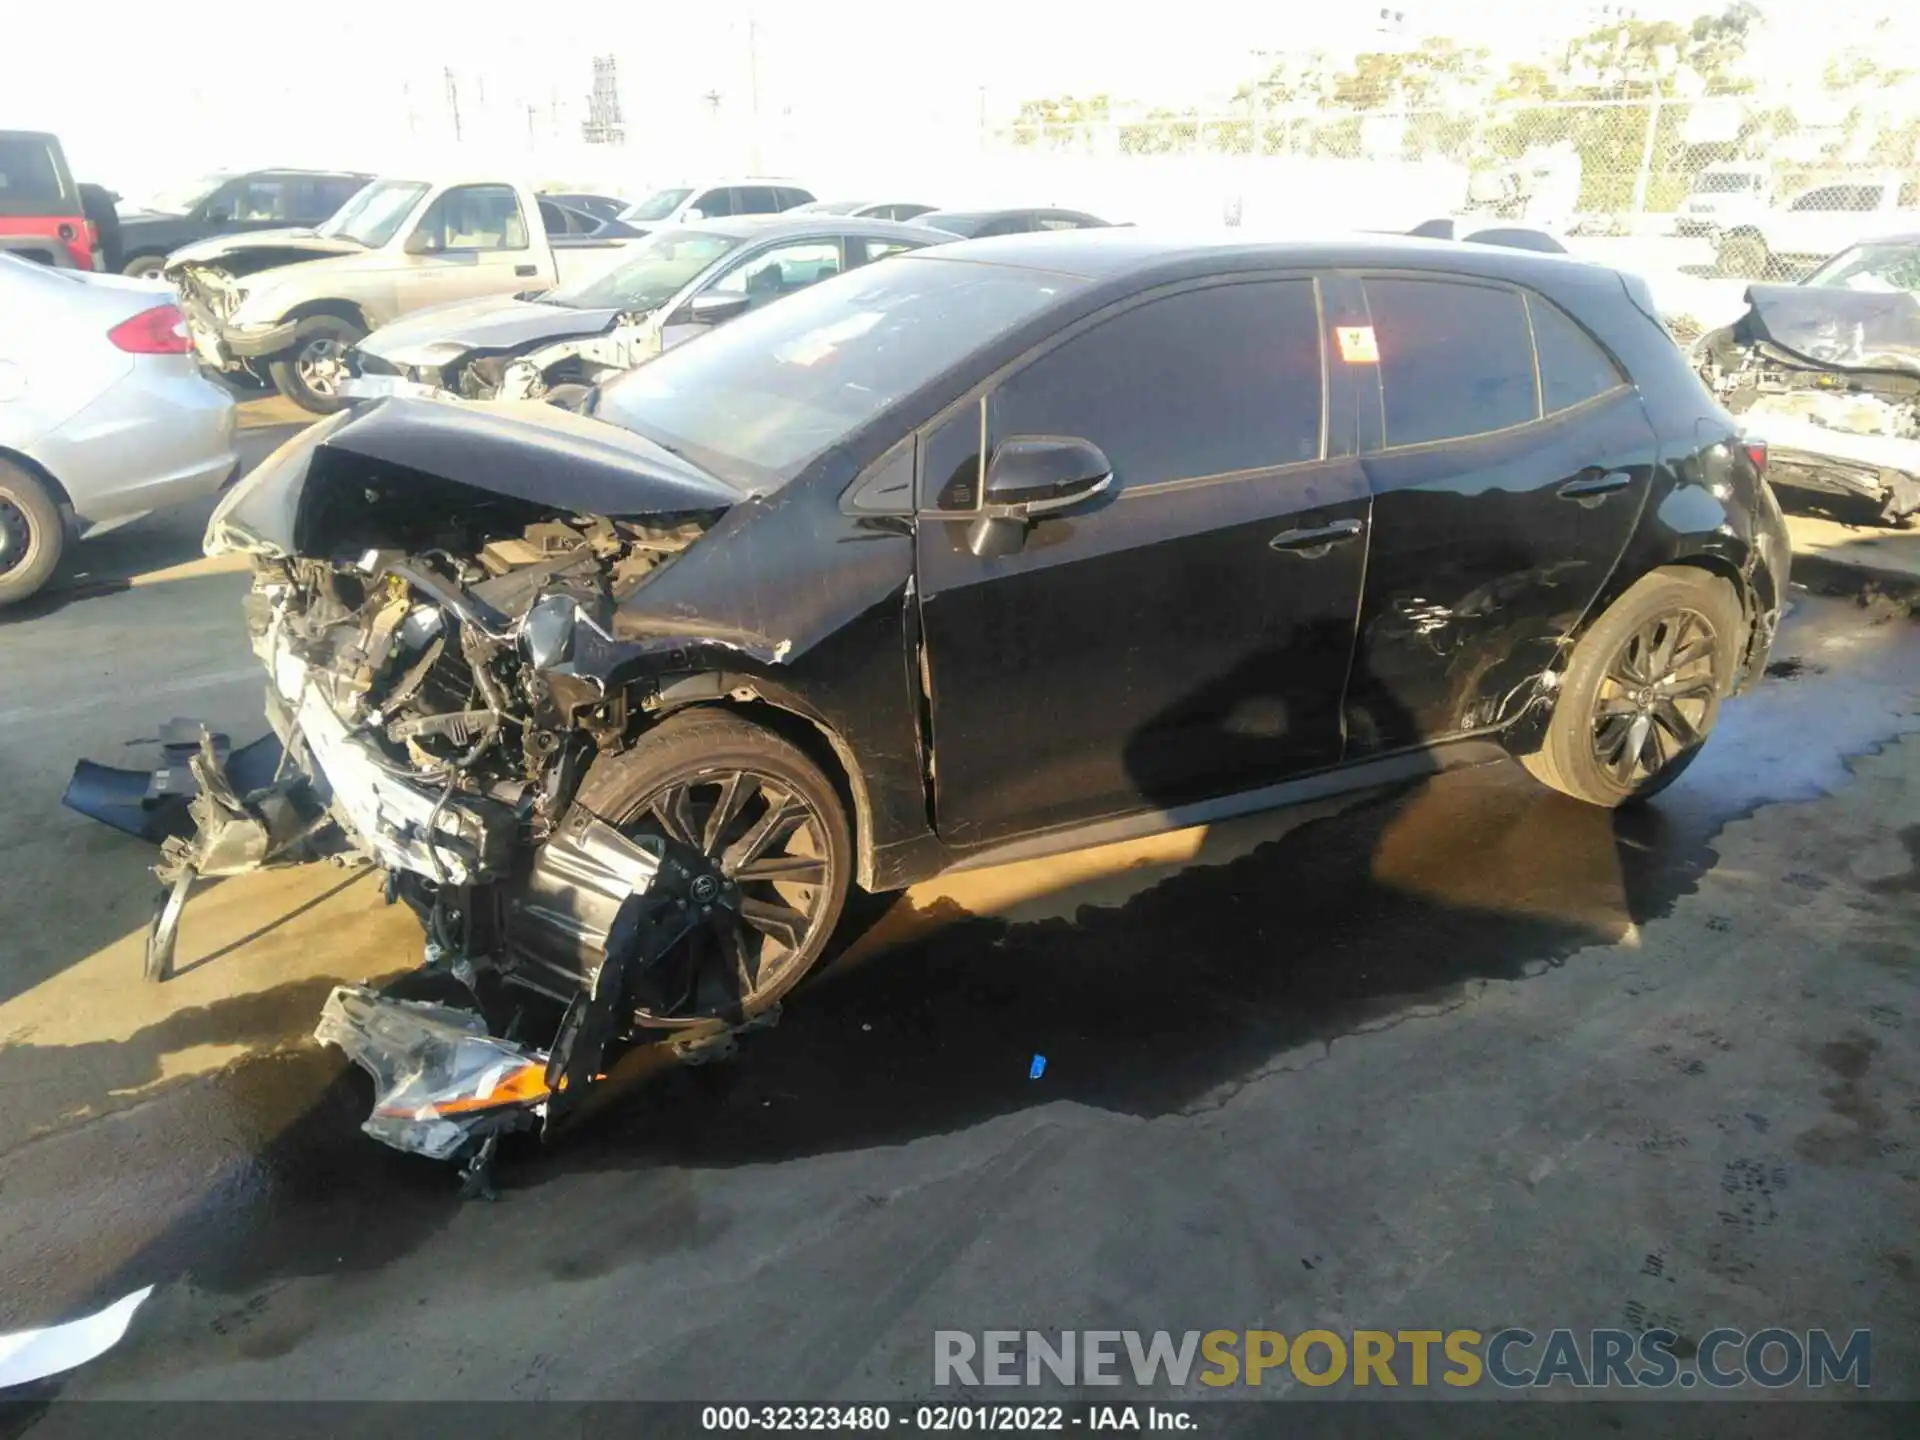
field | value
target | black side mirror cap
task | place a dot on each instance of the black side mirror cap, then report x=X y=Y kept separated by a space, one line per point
x=1031 y=476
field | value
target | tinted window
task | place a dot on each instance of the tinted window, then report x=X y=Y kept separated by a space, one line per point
x=1454 y=359
x=476 y=217
x=32 y=179
x=257 y=198
x=1572 y=367
x=715 y=203
x=1202 y=383
x=1007 y=225
x=755 y=200
x=789 y=198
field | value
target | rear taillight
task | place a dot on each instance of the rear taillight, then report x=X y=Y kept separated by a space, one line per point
x=159 y=331
x=1757 y=453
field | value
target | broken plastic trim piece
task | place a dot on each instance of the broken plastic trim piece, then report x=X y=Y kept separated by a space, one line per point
x=439 y=1079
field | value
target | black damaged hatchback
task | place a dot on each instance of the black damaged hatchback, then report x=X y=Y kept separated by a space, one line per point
x=1008 y=546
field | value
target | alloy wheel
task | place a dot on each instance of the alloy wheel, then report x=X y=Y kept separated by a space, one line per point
x=768 y=848
x=1654 y=699
x=318 y=365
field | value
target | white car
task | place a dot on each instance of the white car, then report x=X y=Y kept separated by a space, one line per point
x=103 y=414
x=715 y=200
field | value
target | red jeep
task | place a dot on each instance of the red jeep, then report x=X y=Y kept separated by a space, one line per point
x=41 y=215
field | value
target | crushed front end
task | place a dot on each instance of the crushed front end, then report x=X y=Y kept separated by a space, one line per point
x=1829 y=380
x=439 y=678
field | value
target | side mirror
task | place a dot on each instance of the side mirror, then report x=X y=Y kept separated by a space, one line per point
x=1039 y=475
x=713 y=307
x=694 y=213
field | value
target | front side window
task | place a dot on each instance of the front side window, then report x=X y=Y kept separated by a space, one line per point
x=714 y=204
x=1455 y=359
x=475 y=217
x=771 y=274
x=870 y=250
x=758 y=399
x=1203 y=382
x=756 y=200
x=258 y=199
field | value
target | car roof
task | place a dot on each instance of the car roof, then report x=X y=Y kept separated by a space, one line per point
x=1003 y=210
x=1124 y=252
x=785 y=222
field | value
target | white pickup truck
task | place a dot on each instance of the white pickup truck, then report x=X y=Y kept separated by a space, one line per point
x=1816 y=223
x=286 y=305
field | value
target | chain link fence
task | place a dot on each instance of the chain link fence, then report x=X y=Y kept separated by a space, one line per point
x=1603 y=166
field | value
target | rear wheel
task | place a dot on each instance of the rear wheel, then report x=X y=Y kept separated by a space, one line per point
x=33 y=533
x=310 y=371
x=145 y=267
x=766 y=818
x=1643 y=689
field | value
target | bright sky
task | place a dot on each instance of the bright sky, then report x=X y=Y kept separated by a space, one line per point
x=333 y=85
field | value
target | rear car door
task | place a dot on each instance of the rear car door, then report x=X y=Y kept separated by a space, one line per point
x=476 y=241
x=1186 y=634
x=1509 y=460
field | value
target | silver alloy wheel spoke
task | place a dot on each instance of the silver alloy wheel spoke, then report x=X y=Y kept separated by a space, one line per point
x=780 y=922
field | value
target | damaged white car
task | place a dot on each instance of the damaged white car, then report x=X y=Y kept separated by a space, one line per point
x=678 y=283
x=1827 y=374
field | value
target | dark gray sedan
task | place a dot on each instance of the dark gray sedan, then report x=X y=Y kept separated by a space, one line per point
x=675 y=284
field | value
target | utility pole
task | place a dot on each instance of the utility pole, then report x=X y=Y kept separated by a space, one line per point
x=453 y=101
x=753 y=84
x=1646 y=152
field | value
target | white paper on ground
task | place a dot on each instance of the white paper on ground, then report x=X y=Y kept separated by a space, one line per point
x=28 y=1355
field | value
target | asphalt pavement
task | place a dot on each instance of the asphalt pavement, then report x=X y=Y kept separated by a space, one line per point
x=1458 y=1054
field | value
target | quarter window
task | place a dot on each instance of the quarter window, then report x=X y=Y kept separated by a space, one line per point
x=1455 y=359
x=1204 y=382
x=1572 y=367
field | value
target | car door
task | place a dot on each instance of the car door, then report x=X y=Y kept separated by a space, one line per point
x=473 y=240
x=1509 y=459
x=1186 y=634
x=760 y=277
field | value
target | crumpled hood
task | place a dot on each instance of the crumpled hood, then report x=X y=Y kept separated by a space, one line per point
x=1844 y=329
x=492 y=322
x=295 y=243
x=526 y=449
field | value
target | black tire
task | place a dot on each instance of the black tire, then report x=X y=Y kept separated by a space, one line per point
x=692 y=753
x=1612 y=739
x=144 y=267
x=1742 y=257
x=33 y=534
x=318 y=339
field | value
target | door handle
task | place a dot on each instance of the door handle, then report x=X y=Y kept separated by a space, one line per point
x=1595 y=487
x=526 y=269
x=1317 y=540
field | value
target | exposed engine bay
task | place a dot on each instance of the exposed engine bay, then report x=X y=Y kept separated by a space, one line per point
x=534 y=370
x=442 y=674
x=1830 y=381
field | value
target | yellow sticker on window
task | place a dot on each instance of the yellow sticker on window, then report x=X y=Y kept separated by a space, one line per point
x=1357 y=345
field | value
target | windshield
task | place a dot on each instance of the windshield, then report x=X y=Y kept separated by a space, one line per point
x=657 y=206
x=659 y=267
x=1886 y=268
x=180 y=199
x=757 y=399
x=372 y=216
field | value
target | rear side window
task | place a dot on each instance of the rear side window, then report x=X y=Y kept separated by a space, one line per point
x=756 y=200
x=33 y=178
x=1572 y=367
x=1205 y=382
x=1455 y=359
x=790 y=198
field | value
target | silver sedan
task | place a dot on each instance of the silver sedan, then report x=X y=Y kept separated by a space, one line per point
x=103 y=414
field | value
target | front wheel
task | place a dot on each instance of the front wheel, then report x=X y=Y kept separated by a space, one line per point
x=769 y=822
x=1642 y=691
x=310 y=371
x=1742 y=257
